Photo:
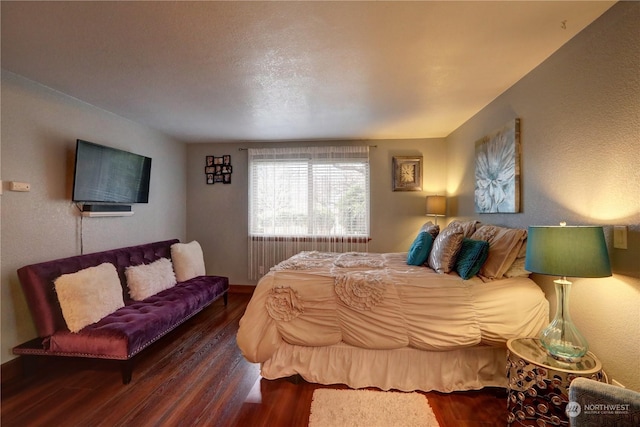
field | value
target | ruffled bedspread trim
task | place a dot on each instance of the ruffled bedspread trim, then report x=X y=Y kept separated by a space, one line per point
x=361 y=290
x=284 y=304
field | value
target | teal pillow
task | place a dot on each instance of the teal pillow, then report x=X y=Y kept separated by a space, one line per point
x=472 y=256
x=420 y=248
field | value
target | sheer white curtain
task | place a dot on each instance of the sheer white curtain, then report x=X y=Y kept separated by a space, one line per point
x=306 y=198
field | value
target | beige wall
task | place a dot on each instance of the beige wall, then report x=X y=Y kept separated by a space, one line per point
x=39 y=130
x=217 y=214
x=580 y=127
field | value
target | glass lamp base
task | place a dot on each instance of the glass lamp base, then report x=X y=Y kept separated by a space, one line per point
x=562 y=349
x=561 y=338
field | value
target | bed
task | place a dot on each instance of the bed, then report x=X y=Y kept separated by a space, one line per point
x=373 y=320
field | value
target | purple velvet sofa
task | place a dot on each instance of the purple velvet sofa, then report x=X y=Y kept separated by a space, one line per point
x=124 y=333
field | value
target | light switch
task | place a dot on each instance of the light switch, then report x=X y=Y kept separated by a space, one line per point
x=19 y=186
x=620 y=236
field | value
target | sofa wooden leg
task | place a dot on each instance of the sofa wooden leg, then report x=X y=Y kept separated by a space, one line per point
x=29 y=365
x=127 y=371
x=225 y=298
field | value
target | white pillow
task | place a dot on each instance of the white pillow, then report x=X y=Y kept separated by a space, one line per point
x=89 y=295
x=188 y=260
x=149 y=279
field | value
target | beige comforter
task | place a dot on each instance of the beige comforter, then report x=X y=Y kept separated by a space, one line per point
x=377 y=301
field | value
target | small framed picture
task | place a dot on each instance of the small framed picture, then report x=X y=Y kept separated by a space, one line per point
x=226 y=159
x=209 y=160
x=407 y=173
x=209 y=178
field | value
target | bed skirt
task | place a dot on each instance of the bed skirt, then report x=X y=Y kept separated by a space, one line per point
x=405 y=369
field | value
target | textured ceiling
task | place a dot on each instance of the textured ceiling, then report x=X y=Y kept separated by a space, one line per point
x=237 y=71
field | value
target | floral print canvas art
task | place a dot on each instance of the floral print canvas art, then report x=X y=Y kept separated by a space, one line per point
x=497 y=187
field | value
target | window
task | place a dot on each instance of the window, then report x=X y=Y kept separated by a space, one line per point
x=309 y=192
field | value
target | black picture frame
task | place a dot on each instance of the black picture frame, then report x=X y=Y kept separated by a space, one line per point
x=218 y=169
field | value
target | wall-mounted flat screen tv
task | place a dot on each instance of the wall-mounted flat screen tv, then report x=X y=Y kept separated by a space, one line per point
x=109 y=175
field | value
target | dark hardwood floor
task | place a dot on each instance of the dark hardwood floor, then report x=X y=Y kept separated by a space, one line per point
x=194 y=376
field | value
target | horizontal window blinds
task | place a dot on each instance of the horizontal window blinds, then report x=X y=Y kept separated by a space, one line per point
x=306 y=198
x=309 y=191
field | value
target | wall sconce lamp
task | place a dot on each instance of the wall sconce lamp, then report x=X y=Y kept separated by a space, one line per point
x=436 y=206
x=574 y=251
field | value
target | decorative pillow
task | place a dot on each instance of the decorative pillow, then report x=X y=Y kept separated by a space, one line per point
x=431 y=228
x=523 y=249
x=445 y=249
x=504 y=246
x=188 y=260
x=517 y=269
x=419 y=251
x=88 y=295
x=473 y=254
x=469 y=227
x=149 y=279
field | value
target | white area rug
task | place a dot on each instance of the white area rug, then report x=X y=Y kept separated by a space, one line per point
x=368 y=408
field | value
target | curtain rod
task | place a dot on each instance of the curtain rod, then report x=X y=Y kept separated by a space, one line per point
x=245 y=149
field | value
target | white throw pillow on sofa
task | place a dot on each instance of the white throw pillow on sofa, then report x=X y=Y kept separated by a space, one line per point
x=88 y=295
x=148 y=279
x=188 y=260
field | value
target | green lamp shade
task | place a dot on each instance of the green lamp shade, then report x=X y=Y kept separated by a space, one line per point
x=566 y=251
x=570 y=251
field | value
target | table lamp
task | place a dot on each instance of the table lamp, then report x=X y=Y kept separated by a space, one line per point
x=574 y=251
x=436 y=206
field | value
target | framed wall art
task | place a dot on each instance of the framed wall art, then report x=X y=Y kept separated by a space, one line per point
x=407 y=173
x=218 y=169
x=497 y=175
